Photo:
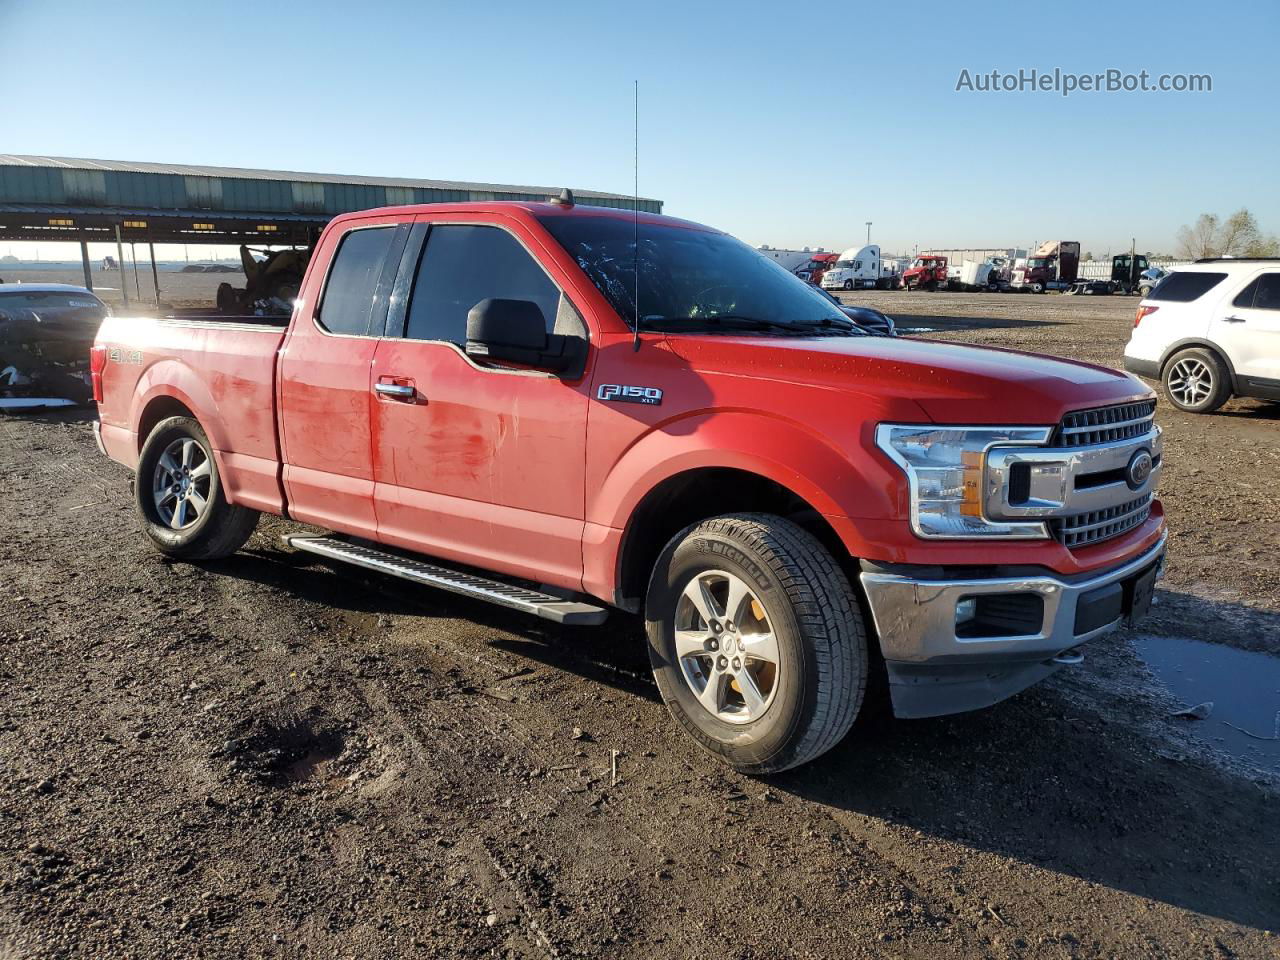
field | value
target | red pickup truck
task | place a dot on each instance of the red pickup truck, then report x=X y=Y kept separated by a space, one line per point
x=468 y=397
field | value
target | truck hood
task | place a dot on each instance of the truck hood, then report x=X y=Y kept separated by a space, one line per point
x=951 y=382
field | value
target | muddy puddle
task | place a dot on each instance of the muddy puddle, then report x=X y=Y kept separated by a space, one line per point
x=1243 y=687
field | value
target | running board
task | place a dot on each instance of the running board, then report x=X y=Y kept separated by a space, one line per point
x=469 y=585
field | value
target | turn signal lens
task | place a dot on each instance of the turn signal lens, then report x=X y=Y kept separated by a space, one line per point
x=1143 y=312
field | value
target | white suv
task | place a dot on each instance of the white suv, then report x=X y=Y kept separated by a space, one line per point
x=1209 y=331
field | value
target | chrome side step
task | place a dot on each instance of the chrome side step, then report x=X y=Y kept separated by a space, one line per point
x=419 y=571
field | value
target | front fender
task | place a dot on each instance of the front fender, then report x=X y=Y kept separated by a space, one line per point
x=840 y=484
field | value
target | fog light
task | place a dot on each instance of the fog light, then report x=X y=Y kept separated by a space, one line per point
x=966 y=610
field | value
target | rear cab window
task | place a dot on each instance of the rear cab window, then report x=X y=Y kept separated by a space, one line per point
x=1183 y=286
x=348 y=299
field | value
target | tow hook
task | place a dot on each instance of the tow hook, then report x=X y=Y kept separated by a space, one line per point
x=1069 y=658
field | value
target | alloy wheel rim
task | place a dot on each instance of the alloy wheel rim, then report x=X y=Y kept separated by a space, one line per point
x=726 y=647
x=180 y=487
x=1190 y=382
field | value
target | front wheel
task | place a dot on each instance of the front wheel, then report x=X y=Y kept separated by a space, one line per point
x=848 y=284
x=757 y=644
x=178 y=493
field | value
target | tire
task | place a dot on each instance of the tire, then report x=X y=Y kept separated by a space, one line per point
x=218 y=528
x=848 y=284
x=804 y=703
x=1144 y=292
x=1196 y=380
x=1037 y=288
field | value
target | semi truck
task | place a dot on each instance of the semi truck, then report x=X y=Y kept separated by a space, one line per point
x=520 y=403
x=816 y=267
x=927 y=272
x=1055 y=265
x=858 y=268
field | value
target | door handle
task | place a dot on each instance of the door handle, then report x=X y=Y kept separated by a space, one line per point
x=1233 y=319
x=397 y=391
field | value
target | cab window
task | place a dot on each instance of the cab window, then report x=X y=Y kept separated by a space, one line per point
x=347 y=302
x=461 y=265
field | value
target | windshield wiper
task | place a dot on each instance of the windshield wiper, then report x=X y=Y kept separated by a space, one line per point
x=730 y=322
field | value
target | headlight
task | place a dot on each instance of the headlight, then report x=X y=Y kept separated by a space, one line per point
x=944 y=468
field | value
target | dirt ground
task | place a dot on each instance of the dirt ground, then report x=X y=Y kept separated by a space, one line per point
x=270 y=756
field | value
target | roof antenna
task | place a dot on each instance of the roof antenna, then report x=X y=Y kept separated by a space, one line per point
x=635 y=209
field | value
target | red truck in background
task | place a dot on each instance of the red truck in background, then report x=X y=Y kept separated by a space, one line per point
x=1055 y=265
x=817 y=267
x=795 y=507
x=927 y=272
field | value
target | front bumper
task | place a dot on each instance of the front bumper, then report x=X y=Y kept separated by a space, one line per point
x=934 y=670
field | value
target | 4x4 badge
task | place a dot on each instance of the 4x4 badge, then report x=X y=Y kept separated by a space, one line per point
x=624 y=394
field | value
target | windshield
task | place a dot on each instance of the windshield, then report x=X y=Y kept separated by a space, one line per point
x=1037 y=262
x=689 y=278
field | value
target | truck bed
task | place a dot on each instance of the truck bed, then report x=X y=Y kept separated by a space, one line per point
x=221 y=369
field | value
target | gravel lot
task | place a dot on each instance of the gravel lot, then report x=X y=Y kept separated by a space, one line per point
x=268 y=756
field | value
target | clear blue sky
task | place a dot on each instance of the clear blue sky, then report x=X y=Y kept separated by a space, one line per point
x=782 y=127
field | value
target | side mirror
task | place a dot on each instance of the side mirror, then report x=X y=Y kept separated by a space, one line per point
x=514 y=331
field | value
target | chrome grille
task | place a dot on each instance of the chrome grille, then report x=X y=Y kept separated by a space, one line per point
x=1084 y=529
x=1082 y=428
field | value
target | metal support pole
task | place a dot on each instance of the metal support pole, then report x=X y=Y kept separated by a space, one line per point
x=124 y=290
x=155 y=274
x=84 y=261
x=137 y=284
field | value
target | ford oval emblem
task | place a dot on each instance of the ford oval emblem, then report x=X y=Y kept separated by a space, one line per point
x=1139 y=469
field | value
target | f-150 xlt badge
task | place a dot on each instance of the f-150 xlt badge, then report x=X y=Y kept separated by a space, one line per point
x=623 y=394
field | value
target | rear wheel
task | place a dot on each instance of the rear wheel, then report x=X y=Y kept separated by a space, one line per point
x=1196 y=381
x=757 y=645
x=178 y=494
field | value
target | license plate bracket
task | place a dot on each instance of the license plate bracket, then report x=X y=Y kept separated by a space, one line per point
x=1139 y=592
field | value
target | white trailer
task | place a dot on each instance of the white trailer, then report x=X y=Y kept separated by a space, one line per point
x=789 y=260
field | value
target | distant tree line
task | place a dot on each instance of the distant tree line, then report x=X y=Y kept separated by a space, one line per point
x=1236 y=236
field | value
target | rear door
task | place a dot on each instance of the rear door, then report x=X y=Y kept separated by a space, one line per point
x=324 y=384
x=472 y=462
x=1247 y=327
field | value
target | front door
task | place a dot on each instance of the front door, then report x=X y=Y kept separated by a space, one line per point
x=476 y=463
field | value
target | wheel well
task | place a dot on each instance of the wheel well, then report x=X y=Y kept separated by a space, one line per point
x=697 y=495
x=1177 y=348
x=161 y=408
